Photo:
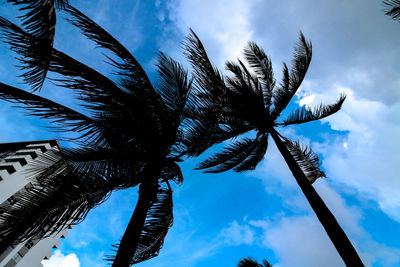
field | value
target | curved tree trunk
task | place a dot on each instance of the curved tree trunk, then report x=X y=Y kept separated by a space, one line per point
x=326 y=218
x=130 y=240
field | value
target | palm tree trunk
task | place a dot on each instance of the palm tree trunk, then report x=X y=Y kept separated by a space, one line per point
x=130 y=240
x=326 y=218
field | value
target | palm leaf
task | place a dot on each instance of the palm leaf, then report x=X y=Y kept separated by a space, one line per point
x=145 y=109
x=172 y=171
x=305 y=114
x=230 y=157
x=158 y=221
x=262 y=66
x=292 y=79
x=95 y=89
x=56 y=199
x=249 y=262
x=91 y=86
x=65 y=118
x=174 y=86
x=93 y=31
x=108 y=102
x=243 y=81
x=244 y=101
x=209 y=82
x=306 y=159
x=392 y=9
x=40 y=21
x=256 y=156
x=115 y=166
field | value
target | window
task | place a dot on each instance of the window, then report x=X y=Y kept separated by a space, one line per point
x=12 y=200
x=17 y=257
x=29 y=244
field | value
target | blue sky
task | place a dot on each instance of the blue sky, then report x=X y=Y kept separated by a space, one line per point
x=222 y=218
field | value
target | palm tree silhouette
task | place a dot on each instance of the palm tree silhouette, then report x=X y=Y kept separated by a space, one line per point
x=39 y=20
x=392 y=9
x=248 y=262
x=133 y=136
x=252 y=102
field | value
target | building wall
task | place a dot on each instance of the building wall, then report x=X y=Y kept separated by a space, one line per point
x=15 y=160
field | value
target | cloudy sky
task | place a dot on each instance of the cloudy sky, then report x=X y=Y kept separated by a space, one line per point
x=222 y=218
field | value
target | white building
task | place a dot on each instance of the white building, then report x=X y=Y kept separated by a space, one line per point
x=14 y=160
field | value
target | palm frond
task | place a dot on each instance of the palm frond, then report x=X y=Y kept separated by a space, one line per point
x=116 y=166
x=39 y=21
x=93 y=31
x=200 y=134
x=91 y=86
x=172 y=171
x=244 y=100
x=392 y=9
x=174 y=86
x=158 y=221
x=141 y=96
x=56 y=199
x=209 y=82
x=230 y=157
x=249 y=262
x=65 y=118
x=292 y=79
x=95 y=89
x=262 y=66
x=306 y=114
x=255 y=157
x=243 y=81
x=306 y=159
x=33 y=56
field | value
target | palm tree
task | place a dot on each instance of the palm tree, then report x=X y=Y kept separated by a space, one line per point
x=133 y=136
x=251 y=102
x=392 y=9
x=248 y=262
x=39 y=20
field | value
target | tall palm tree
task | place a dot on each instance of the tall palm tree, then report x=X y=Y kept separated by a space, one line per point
x=248 y=102
x=131 y=135
x=39 y=20
x=392 y=9
x=248 y=262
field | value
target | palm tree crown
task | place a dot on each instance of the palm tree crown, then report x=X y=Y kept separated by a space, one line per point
x=133 y=135
x=248 y=101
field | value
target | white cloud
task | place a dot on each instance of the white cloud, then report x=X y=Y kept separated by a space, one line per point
x=58 y=259
x=237 y=234
x=223 y=26
x=369 y=160
x=302 y=241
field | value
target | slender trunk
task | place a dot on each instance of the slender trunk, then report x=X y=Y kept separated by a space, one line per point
x=328 y=221
x=130 y=240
